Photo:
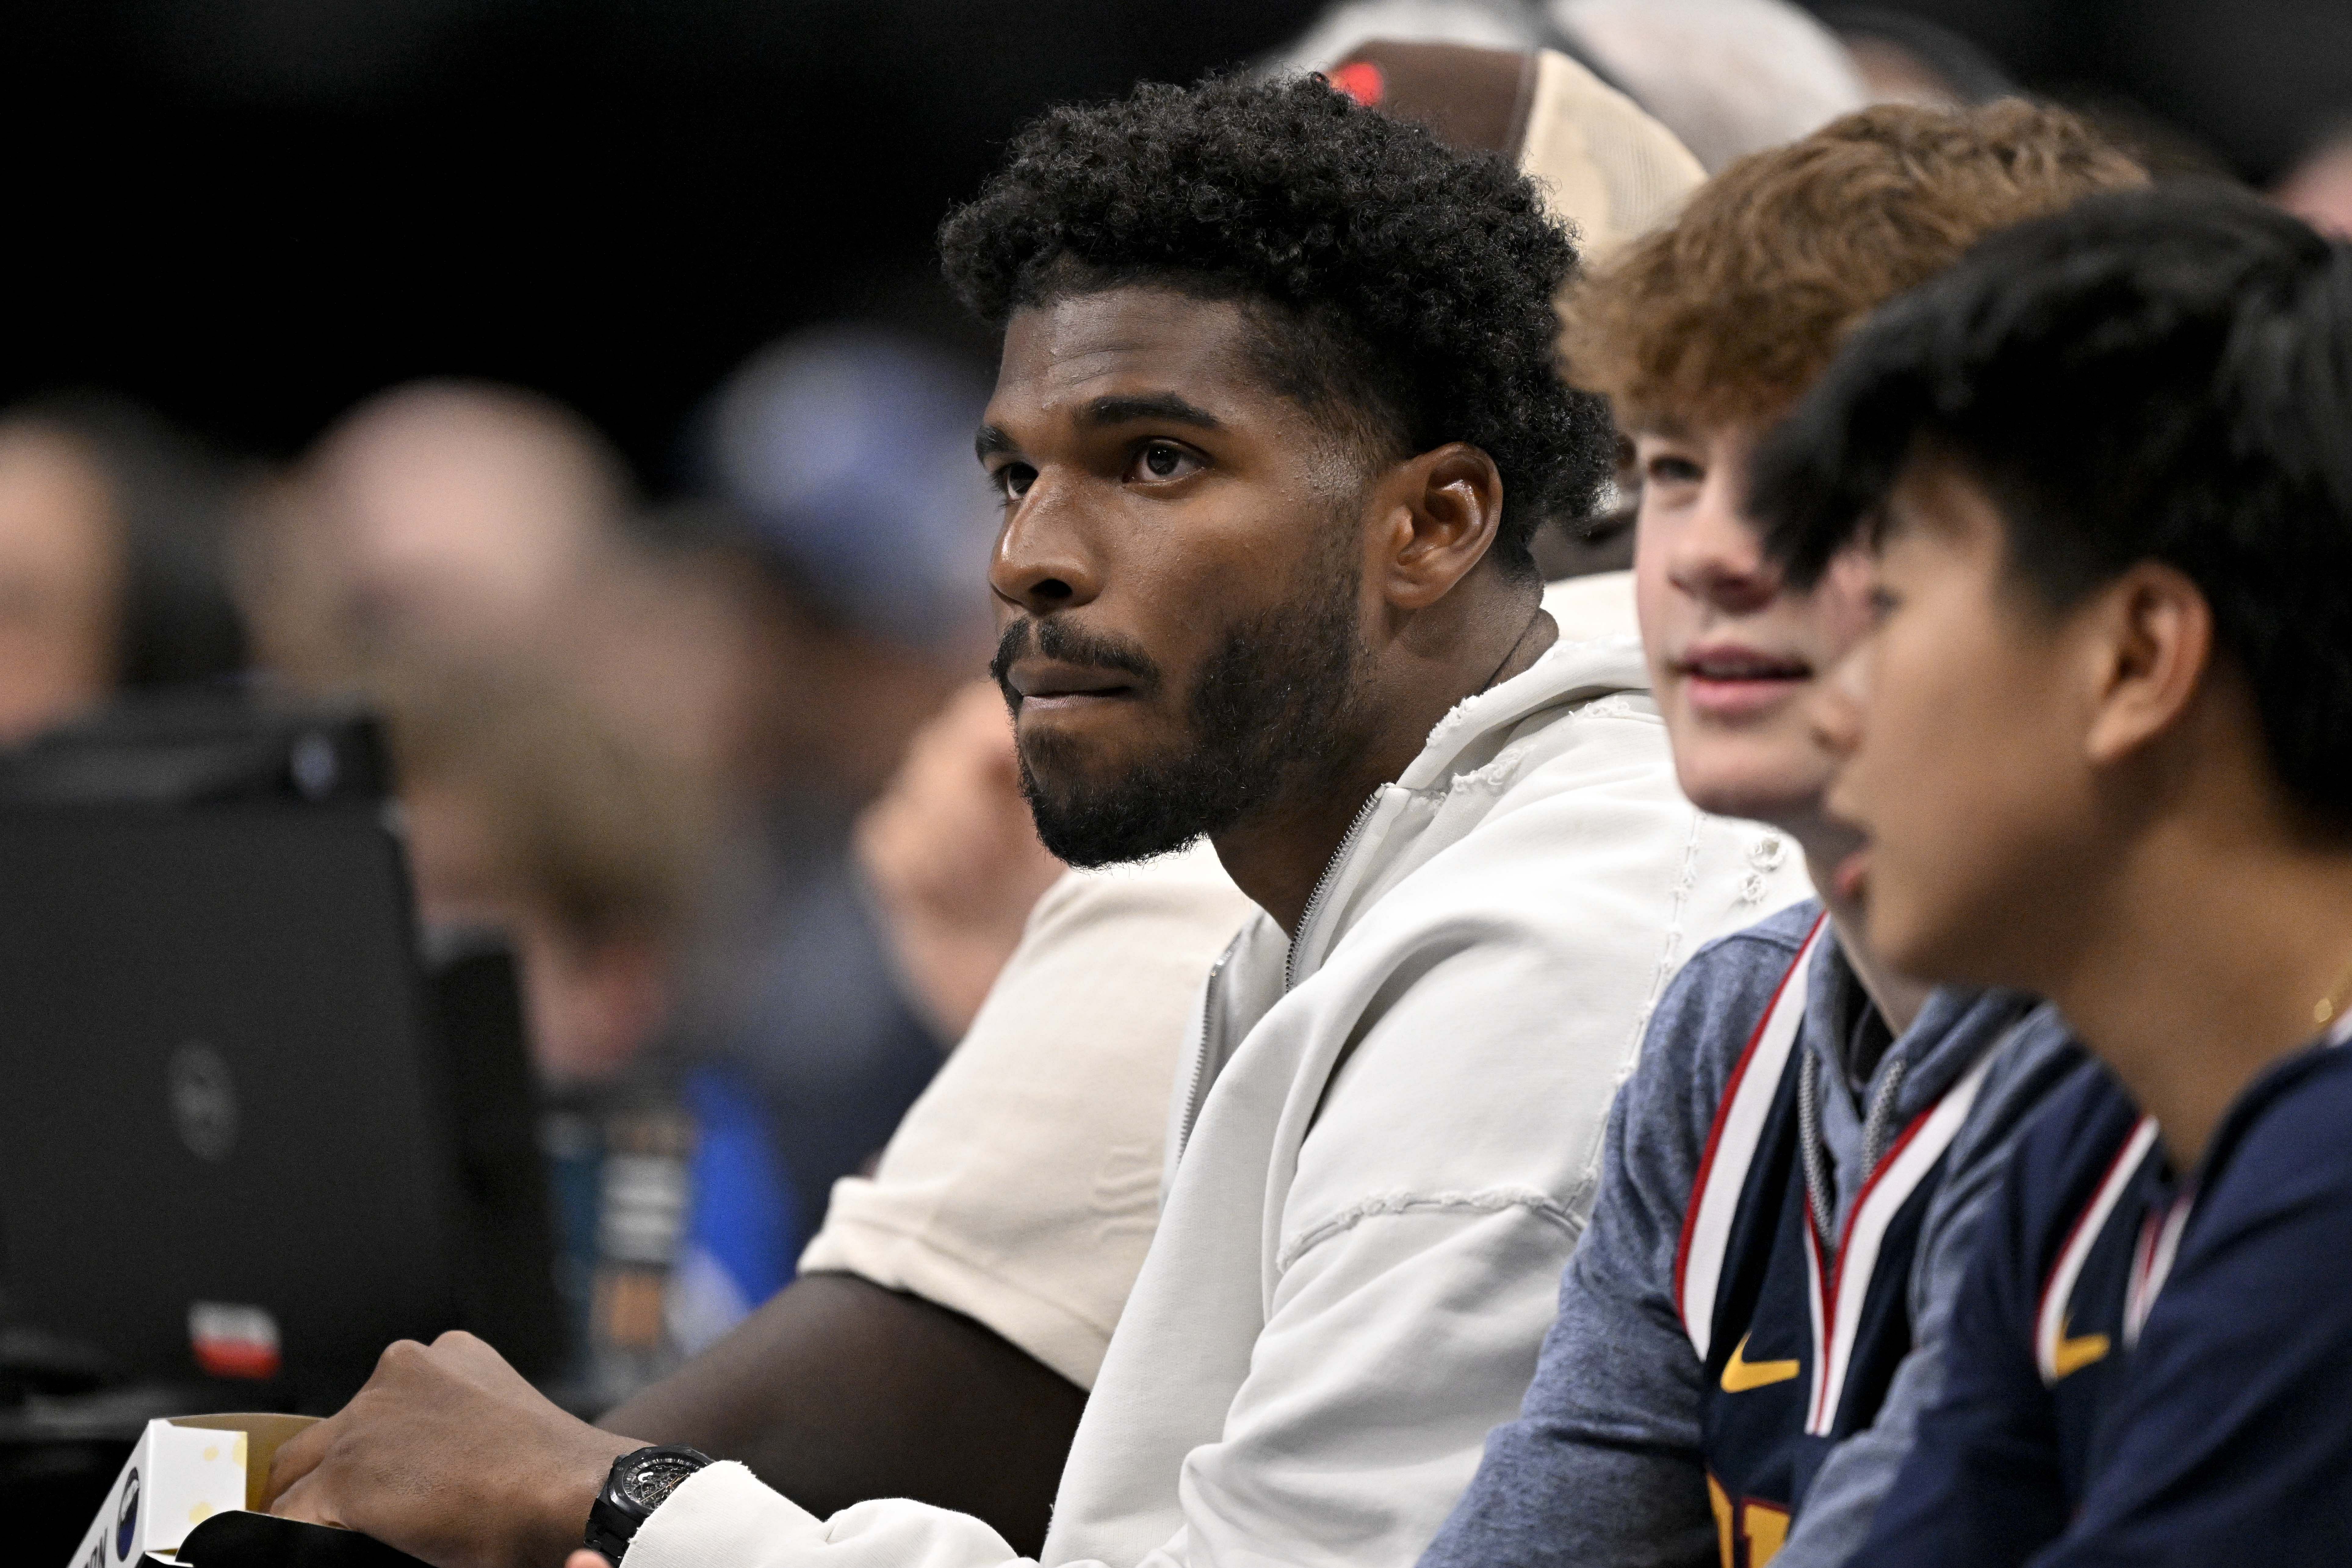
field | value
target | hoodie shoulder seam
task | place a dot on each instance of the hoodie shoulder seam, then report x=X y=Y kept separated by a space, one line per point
x=1485 y=1201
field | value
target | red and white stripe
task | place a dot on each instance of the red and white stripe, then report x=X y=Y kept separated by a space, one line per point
x=2050 y=1318
x=1841 y=1287
x=1731 y=1145
x=2159 y=1244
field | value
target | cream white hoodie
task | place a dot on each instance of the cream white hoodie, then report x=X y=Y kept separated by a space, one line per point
x=1381 y=1157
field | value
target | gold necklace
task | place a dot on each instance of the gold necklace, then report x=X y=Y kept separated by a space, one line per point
x=2325 y=1010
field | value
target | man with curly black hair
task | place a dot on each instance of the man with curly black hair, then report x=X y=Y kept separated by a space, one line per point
x=1276 y=412
x=1379 y=323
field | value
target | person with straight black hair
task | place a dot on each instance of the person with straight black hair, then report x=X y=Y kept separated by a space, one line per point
x=2100 y=743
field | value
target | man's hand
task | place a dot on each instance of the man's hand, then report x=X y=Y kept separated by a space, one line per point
x=449 y=1455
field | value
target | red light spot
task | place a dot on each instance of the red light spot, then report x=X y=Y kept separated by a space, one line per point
x=232 y=1358
x=1361 y=80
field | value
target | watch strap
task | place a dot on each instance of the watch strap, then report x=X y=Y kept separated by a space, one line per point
x=621 y=1508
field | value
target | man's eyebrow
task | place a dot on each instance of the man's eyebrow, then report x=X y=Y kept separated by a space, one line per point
x=1161 y=406
x=1164 y=407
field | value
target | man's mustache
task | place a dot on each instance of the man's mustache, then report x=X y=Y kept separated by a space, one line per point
x=1059 y=641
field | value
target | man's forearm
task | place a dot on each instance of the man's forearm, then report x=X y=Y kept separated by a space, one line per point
x=838 y=1390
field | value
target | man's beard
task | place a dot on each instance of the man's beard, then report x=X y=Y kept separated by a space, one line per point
x=1273 y=708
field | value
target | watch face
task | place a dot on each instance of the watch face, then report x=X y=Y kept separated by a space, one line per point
x=655 y=1476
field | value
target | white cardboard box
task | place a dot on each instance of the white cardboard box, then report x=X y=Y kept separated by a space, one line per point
x=184 y=1471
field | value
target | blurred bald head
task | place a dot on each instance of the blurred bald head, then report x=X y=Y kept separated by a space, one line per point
x=448 y=516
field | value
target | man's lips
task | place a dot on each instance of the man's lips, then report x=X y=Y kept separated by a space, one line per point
x=1049 y=683
x=1728 y=679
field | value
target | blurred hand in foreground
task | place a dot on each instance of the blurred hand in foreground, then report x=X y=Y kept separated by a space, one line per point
x=953 y=859
x=447 y=1454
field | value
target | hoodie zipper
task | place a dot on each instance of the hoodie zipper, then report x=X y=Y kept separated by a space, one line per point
x=1196 y=1088
x=1322 y=887
x=1200 y=1080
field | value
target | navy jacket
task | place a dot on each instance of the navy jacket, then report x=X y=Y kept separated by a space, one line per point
x=2143 y=1369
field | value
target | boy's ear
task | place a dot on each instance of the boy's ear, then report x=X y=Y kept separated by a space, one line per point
x=1442 y=510
x=2152 y=643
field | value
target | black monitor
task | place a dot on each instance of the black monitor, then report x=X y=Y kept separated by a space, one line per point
x=253 y=1130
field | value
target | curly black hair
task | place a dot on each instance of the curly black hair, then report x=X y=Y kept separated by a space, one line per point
x=1406 y=286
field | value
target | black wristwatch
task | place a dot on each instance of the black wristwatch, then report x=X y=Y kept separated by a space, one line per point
x=636 y=1486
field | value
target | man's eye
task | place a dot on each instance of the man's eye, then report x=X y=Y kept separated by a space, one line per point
x=1014 y=479
x=1164 y=461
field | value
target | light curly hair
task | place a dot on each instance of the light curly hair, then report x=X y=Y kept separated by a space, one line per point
x=1730 y=314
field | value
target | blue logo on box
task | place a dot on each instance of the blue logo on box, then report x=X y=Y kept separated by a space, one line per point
x=126 y=1522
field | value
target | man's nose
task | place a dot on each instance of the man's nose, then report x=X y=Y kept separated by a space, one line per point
x=1716 y=556
x=1834 y=709
x=1041 y=563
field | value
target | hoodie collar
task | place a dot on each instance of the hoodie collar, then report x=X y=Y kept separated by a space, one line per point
x=1478 y=727
x=1957 y=1026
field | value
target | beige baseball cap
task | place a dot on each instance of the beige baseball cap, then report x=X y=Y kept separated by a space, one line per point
x=1606 y=165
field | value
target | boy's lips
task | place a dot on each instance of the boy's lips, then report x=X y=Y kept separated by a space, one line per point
x=1729 y=681
x=1852 y=878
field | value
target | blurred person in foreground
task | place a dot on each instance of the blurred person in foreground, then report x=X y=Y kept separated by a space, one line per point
x=112 y=571
x=2098 y=743
x=1269 y=471
x=1801 y=1113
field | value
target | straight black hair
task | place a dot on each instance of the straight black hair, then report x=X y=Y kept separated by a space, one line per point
x=2160 y=374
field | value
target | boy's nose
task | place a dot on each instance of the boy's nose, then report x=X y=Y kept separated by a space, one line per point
x=1718 y=558
x=1834 y=709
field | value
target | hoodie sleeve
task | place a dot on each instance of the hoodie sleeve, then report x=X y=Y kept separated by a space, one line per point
x=1603 y=1465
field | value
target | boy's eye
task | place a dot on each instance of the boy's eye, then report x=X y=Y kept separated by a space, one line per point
x=1882 y=602
x=1162 y=460
x=1668 y=470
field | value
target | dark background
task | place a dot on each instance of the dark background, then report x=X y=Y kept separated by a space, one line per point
x=253 y=211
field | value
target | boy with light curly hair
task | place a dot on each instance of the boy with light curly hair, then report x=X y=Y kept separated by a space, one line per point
x=1797 y=1169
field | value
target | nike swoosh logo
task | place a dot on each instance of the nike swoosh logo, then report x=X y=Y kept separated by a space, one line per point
x=2076 y=1351
x=1740 y=1374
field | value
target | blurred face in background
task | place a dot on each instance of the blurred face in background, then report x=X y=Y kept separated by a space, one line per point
x=61 y=581
x=2318 y=190
x=1734 y=654
x=446 y=518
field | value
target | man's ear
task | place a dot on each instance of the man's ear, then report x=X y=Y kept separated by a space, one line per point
x=1443 y=510
x=2151 y=644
